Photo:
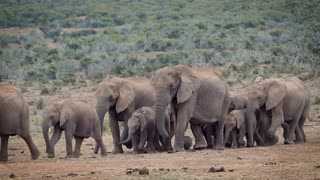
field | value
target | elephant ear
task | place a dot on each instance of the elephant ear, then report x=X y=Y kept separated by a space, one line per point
x=142 y=121
x=276 y=92
x=66 y=113
x=239 y=118
x=189 y=84
x=126 y=96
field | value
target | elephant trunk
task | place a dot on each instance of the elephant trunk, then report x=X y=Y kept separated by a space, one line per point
x=251 y=116
x=45 y=129
x=162 y=101
x=101 y=111
x=128 y=140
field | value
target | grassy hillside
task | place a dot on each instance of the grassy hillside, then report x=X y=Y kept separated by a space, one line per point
x=52 y=39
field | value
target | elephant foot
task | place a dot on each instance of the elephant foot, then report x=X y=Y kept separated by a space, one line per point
x=272 y=140
x=96 y=149
x=228 y=144
x=210 y=146
x=117 y=150
x=178 y=149
x=288 y=141
x=104 y=154
x=219 y=147
x=35 y=155
x=76 y=155
x=249 y=145
x=3 y=159
x=200 y=146
x=51 y=155
x=70 y=156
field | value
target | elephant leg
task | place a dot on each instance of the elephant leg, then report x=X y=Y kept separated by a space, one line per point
x=208 y=132
x=234 y=139
x=77 y=147
x=142 y=142
x=156 y=142
x=286 y=128
x=293 y=126
x=241 y=135
x=219 y=135
x=100 y=143
x=135 y=143
x=298 y=135
x=277 y=120
x=114 y=126
x=183 y=117
x=54 y=139
x=200 y=142
x=32 y=147
x=4 y=148
x=302 y=120
x=69 y=137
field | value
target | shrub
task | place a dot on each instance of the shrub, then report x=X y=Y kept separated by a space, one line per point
x=317 y=100
x=7 y=39
x=77 y=34
x=44 y=91
x=277 y=50
x=40 y=104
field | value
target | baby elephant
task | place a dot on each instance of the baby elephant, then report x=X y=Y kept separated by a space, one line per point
x=142 y=129
x=236 y=126
x=77 y=119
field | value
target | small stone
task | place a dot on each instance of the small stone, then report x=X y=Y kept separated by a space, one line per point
x=144 y=171
x=212 y=169
x=184 y=168
x=92 y=172
x=22 y=152
x=231 y=170
x=72 y=174
x=129 y=172
x=161 y=169
x=239 y=158
x=12 y=175
x=317 y=166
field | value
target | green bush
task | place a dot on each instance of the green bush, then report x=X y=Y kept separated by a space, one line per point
x=317 y=100
x=40 y=104
x=7 y=39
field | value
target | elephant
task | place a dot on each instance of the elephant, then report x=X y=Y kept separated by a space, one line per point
x=197 y=95
x=142 y=129
x=237 y=102
x=285 y=100
x=235 y=126
x=187 y=142
x=14 y=120
x=77 y=119
x=121 y=97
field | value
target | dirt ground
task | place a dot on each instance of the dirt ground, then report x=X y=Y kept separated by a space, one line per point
x=298 y=161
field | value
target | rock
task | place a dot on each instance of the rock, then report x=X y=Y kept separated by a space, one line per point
x=184 y=168
x=72 y=174
x=187 y=142
x=144 y=171
x=12 y=175
x=212 y=169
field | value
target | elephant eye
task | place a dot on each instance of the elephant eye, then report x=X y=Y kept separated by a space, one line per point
x=110 y=98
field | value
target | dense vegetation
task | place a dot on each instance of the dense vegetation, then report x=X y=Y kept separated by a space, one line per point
x=136 y=37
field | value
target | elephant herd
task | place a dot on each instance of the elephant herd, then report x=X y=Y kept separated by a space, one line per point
x=153 y=112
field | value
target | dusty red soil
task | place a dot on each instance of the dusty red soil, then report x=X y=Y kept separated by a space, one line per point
x=298 y=161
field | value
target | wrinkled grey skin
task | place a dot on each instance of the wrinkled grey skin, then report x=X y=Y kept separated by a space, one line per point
x=191 y=91
x=14 y=120
x=286 y=100
x=120 y=97
x=77 y=119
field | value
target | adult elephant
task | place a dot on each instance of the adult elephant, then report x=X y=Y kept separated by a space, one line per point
x=121 y=97
x=198 y=96
x=14 y=120
x=288 y=100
